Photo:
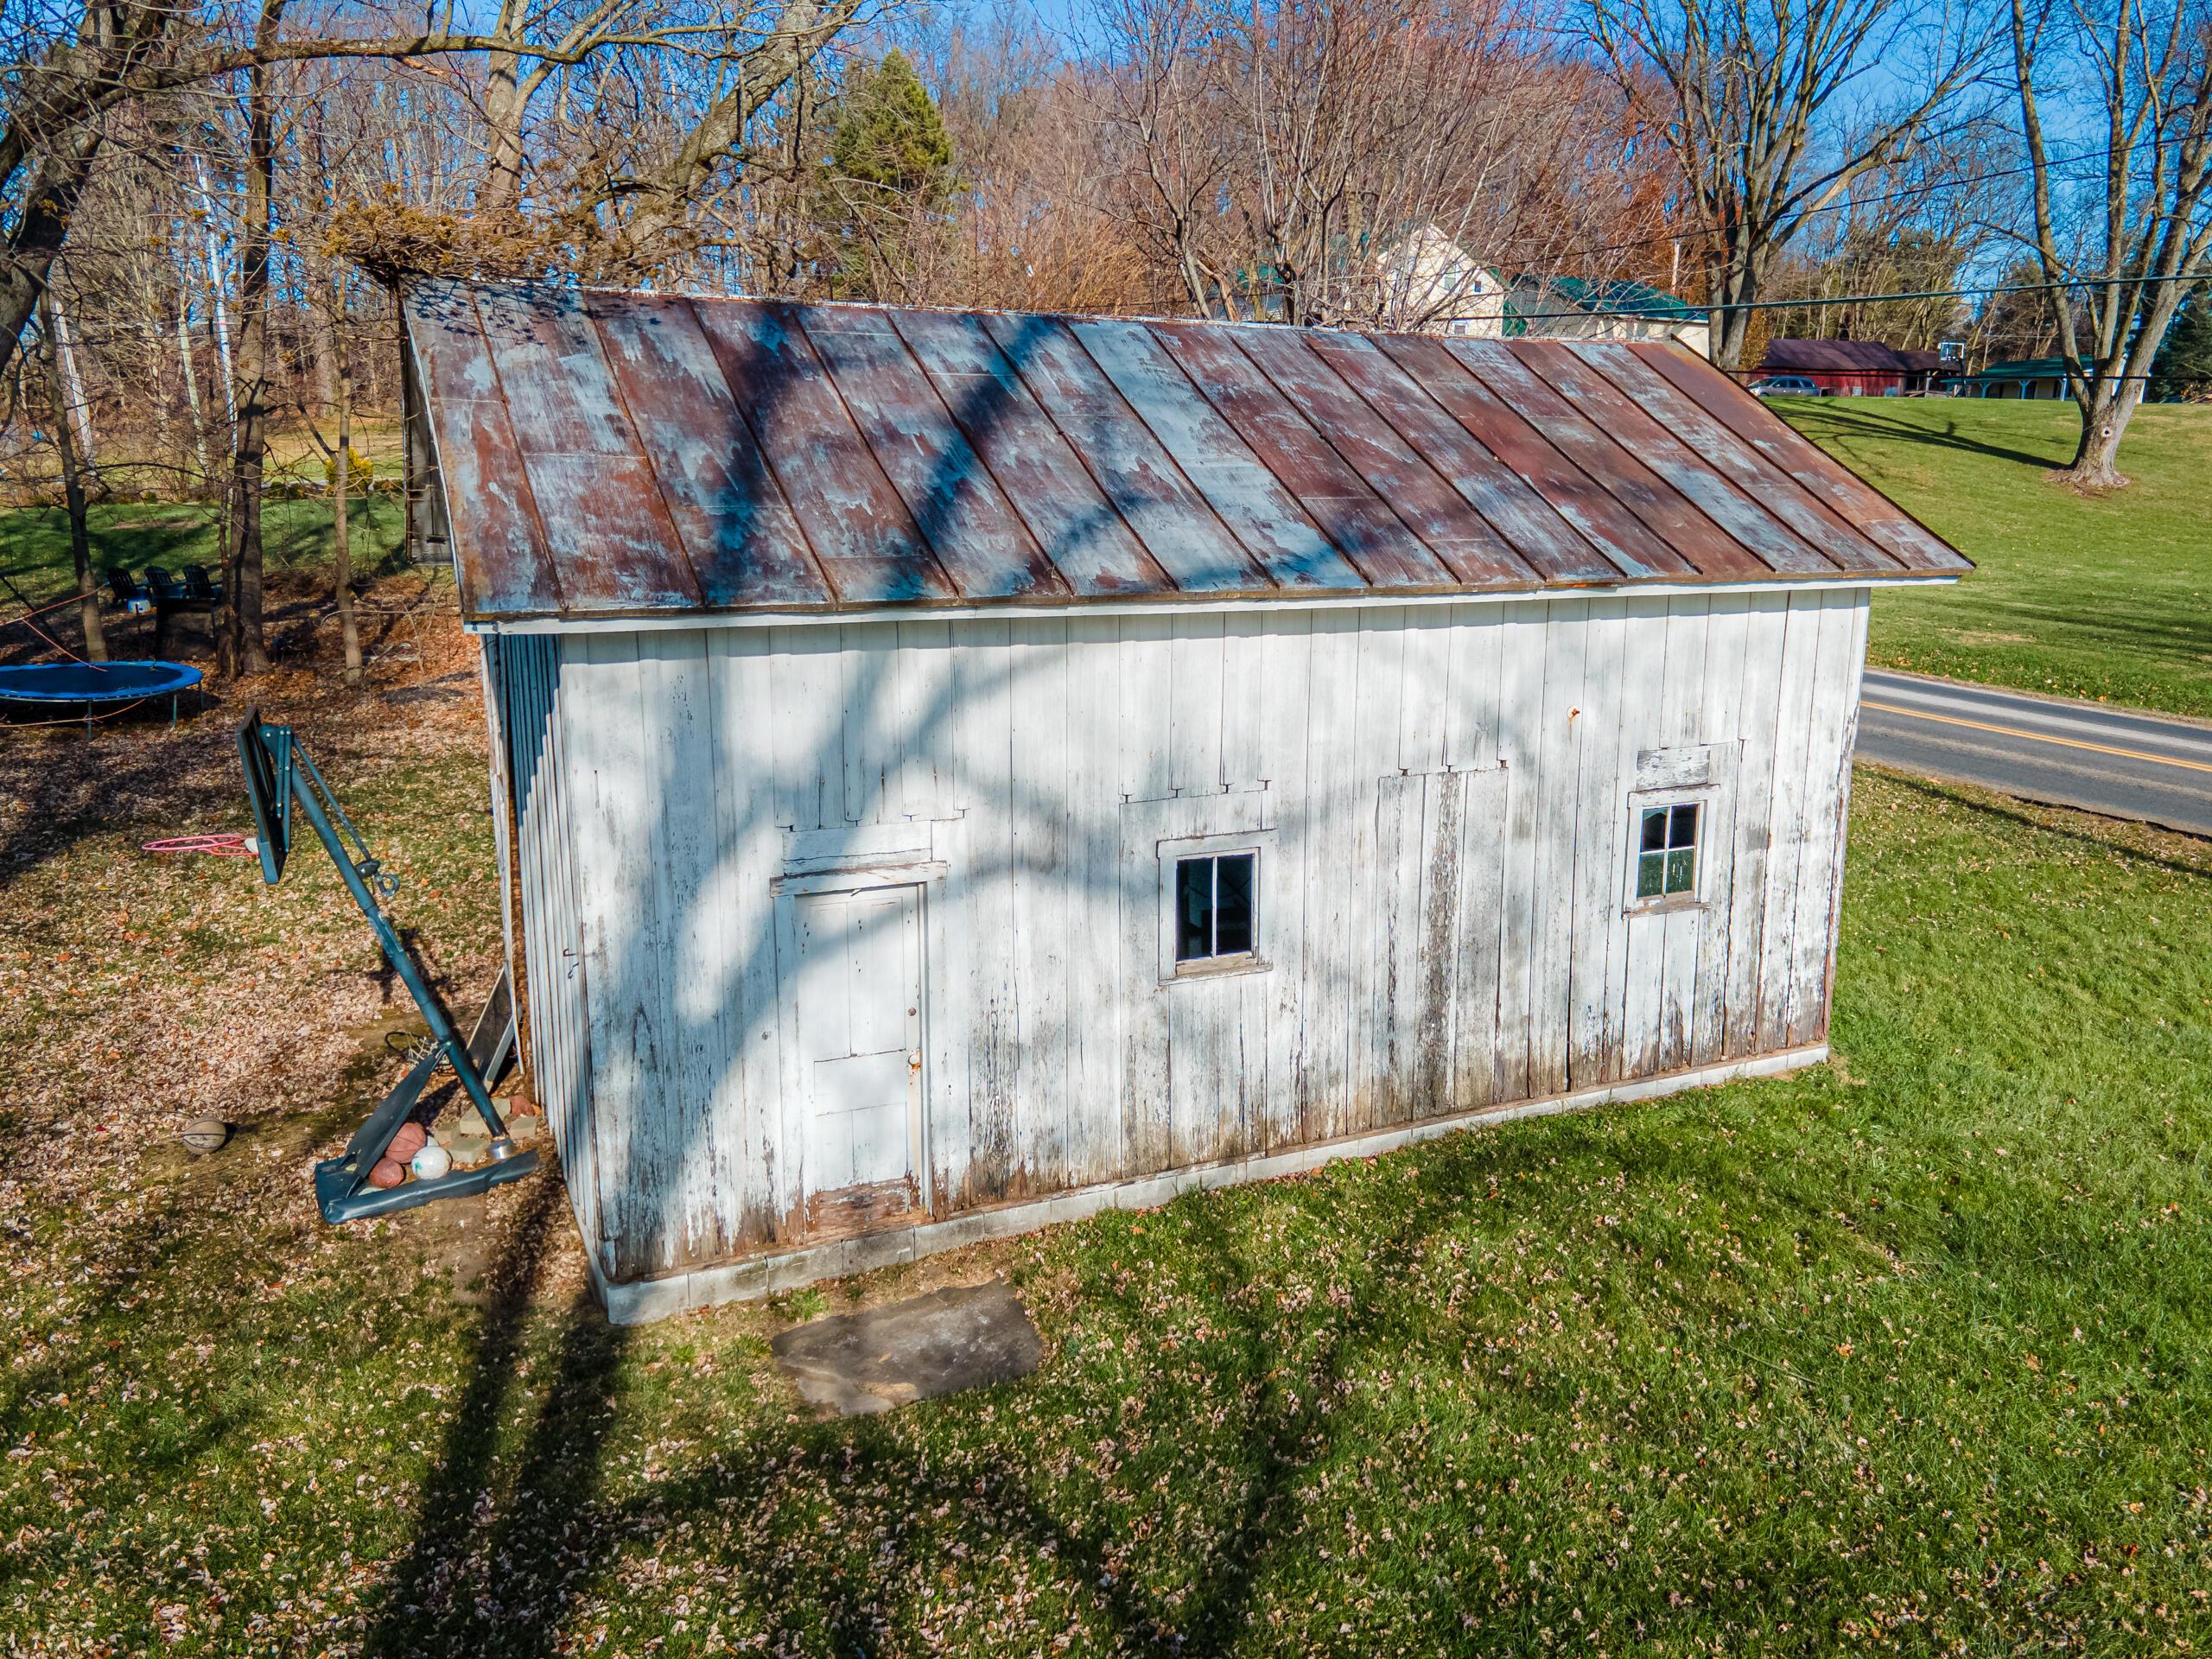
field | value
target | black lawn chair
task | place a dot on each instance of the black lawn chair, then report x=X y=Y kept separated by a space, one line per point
x=130 y=596
x=199 y=585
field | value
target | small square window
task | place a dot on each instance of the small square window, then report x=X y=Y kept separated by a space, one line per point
x=1215 y=911
x=1666 y=850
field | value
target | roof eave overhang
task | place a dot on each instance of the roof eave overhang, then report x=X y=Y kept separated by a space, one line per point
x=1306 y=599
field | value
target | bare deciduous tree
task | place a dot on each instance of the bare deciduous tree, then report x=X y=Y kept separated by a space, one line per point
x=240 y=645
x=1368 y=163
x=67 y=415
x=1772 y=112
x=2144 y=233
x=72 y=74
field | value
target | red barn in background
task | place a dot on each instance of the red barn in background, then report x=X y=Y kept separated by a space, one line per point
x=1853 y=368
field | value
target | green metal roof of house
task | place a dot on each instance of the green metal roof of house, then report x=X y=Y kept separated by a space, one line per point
x=1540 y=296
x=2025 y=368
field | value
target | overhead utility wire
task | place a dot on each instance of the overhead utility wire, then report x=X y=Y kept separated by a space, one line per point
x=1665 y=237
x=1691 y=312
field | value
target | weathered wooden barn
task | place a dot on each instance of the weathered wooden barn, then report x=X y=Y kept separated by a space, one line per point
x=967 y=770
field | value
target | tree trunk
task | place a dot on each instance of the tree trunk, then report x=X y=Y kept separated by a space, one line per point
x=2104 y=423
x=80 y=407
x=192 y=395
x=244 y=648
x=340 y=488
x=50 y=199
x=501 y=189
x=72 y=483
x=1736 y=287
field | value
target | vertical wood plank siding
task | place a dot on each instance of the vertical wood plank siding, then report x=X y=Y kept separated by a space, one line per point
x=537 y=774
x=1442 y=800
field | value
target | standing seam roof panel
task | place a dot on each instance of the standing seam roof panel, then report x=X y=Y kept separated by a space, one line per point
x=498 y=545
x=1391 y=466
x=1719 y=445
x=1375 y=538
x=1047 y=482
x=744 y=541
x=1595 y=450
x=1505 y=499
x=1247 y=497
x=1619 y=539
x=606 y=525
x=868 y=544
x=1136 y=471
x=1877 y=515
x=981 y=543
x=1605 y=407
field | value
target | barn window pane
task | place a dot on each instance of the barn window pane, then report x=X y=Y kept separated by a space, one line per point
x=1193 y=909
x=1232 y=913
x=1666 y=857
x=1214 y=908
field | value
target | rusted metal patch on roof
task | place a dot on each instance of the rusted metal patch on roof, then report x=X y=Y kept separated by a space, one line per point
x=610 y=454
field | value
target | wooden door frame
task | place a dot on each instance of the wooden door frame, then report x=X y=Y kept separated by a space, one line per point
x=926 y=877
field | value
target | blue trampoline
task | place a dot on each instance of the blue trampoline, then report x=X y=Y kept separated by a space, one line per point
x=83 y=685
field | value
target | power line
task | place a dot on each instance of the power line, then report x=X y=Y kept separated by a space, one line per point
x=1667 y=237
x=1695 y=311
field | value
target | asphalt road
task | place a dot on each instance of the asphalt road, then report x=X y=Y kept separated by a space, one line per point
x=2110 y=760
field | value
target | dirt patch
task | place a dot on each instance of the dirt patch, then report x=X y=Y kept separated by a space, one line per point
x=946 y=1341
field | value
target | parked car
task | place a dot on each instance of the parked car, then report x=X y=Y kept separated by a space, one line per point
x=1783 y=385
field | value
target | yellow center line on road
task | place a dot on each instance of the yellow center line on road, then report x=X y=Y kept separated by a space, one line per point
x=2037 y=737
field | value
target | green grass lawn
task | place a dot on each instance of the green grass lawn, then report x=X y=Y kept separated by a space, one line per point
x=293 y=457
x=2108 y=599
x=297 y=536
x=1903 y=1353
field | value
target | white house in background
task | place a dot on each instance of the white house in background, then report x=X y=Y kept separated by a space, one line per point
x=1430 y=282
x=964 y=771
x=1433 y=283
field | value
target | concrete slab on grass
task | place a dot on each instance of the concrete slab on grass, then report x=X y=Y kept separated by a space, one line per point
x=959 y=1337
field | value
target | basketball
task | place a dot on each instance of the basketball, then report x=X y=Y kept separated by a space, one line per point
x=205 y=1133
x=407 y=1142
x=386 y=1173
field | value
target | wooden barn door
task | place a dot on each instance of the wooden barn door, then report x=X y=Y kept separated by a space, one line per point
x=859 y=1027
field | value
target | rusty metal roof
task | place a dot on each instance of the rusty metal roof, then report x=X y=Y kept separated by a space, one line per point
x=609 y=454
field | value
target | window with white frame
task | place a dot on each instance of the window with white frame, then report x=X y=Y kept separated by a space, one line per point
x=1667 y=849
x=1215 y=908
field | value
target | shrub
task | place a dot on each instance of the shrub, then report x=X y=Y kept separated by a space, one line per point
x=360 y=476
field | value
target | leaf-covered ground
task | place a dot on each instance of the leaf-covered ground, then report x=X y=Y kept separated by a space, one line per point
x=1902 y=1354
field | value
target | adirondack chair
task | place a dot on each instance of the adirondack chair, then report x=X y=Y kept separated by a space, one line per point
x=130 y=598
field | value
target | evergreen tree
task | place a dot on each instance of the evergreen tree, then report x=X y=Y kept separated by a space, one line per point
x=2182 y=372
x=886 y=185
x=890 y=138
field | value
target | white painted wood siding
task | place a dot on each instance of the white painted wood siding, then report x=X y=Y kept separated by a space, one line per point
x=552 y=992
x=1442 y=799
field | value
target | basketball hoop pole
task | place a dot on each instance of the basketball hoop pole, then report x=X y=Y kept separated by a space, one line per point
x=280 y=775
